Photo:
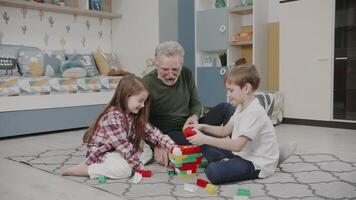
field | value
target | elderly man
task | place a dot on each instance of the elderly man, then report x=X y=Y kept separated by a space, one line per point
x=174 y=98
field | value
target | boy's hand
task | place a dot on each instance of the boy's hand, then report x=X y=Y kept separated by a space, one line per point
x=198 y=139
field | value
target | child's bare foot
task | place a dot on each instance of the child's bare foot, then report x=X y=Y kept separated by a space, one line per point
x=76 y=170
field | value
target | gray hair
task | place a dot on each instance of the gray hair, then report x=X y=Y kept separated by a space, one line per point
x=169 y=48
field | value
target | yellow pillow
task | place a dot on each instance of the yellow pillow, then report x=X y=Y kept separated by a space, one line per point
x=106 y=62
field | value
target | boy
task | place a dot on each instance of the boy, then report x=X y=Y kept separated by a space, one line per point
x=252 y=151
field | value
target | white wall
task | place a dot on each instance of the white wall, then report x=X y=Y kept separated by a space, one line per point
x=273 y=11
x=37 y=28
x=136 y=34
x=168 y=20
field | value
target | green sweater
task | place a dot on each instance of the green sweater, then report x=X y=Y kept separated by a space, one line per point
x=172 y=105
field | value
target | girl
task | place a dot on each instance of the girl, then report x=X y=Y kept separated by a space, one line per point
x=115 y=141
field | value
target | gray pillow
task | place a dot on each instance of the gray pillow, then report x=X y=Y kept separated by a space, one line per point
x=86 y=61
x=52 y=61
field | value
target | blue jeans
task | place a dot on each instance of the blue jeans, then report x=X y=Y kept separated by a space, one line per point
x=221 y=171
x=220 y=114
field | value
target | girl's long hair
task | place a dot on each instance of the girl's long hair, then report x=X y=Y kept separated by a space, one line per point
x=129 y=85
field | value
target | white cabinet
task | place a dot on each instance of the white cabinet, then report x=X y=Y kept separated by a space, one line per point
x=306 y=46
x=215 y=29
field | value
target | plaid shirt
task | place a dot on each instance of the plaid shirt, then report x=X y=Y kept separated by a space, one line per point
x=110 y=136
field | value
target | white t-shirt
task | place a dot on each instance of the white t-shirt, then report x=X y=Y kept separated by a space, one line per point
x=262 y=149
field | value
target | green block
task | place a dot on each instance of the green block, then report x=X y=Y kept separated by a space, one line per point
x=203 y=164
x=102 y=179
x=170 y=172
x=243 y=192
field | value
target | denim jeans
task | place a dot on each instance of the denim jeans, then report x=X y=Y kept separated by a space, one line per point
x=220 y=114
x=233 y=169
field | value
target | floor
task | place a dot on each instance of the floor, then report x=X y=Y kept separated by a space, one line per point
x=24 y=182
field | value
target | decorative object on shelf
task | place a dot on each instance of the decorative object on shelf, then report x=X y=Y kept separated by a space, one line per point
x=220 y=3
x=240 y=61
x=242 y=36
x=60 y=2
x=95 y=4
x=208 y=61
x=6 y=17
x=51 y=21
x=223 y=59
x=24 y=29
x=247 y=2
x=41 y=14
x=45 y=39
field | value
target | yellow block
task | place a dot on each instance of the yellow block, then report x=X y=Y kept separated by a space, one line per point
x=211 y=189
x=187 y=176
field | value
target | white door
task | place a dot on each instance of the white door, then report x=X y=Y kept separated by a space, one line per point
x=306 y=46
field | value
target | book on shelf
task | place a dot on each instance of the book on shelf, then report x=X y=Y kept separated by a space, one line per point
x=95 y=4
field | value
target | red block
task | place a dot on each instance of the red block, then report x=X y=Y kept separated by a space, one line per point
x=190 y=149
x=145 y=173
x=202 y=183
x=188 y=166
x=188 y=132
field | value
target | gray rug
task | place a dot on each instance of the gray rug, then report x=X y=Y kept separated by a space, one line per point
x=302 y=176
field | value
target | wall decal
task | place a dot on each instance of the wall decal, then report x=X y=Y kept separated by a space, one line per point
x=88 y=24
x=51 y=21
x=83 y=41
x=75 y=17
x=6 y=17
x=24 y=12
x=100 y=34
x=41 y=14
x=24 y=29
x=1 y=36
x=45 y=39
x=101 y=20
x=63 y=42
x=68 y=28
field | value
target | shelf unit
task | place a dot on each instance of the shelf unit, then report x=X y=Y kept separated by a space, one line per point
x=215 y=28
x=58 y=9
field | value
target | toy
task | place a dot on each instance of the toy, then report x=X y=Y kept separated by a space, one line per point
x=137 y=178
x=170 y=171
x=185 y=160
x=190 y=187
x=202 y=183
x=188 y=132
x=102 y=179
x=203 y=164
x=211 y=189
x=242 y=194
x=145 y=173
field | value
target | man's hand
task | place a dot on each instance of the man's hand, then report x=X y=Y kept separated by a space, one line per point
x=192 y=121
x=161 y=155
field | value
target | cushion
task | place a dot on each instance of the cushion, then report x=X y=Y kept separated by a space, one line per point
x=272 y=102
x=53 y=61
x=8 y=66
x=85 y=61
x=106 y=62
x=30 y=62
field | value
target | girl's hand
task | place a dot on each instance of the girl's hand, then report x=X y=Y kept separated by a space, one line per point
x=161 y=155
x=198 y=139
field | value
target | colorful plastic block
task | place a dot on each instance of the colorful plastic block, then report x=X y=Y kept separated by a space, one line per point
x=183 y=150
x=203 y=164
x=242 y=194
x=145 y=173
x=187 y=176
x=190 y=187
x=188 y=132
x=202 y=183
x=211 y=189
x=102 y=179
x=170 y=171
x=137 y=178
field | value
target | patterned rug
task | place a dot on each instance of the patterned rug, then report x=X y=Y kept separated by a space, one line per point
x=302 y=176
